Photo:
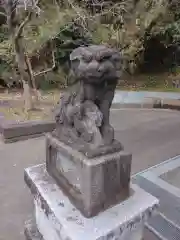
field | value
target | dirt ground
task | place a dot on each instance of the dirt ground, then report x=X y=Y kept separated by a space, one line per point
x=12 y=106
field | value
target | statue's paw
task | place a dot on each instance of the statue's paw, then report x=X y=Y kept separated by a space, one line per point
x=87 y=137
x=78 y=112
x=108 y=134
x=99 y=118
x=74 y=132
x=57 y=117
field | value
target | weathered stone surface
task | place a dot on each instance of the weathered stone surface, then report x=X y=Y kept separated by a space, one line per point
x=92 y=184
x=82 y=115
x=23 y=130
x=58 y=219
x=31 y=232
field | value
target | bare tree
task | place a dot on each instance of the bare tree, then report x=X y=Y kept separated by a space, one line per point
x=127 y=21
x=14 y=10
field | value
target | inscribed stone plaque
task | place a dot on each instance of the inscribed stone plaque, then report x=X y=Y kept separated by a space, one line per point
x=68 y=169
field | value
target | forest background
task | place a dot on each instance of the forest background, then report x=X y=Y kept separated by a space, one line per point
x=37 y=37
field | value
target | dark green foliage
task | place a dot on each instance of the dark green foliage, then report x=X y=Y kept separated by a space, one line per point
x=2 y=17
x=163 y=41
x=171 y=33
x=151 y=83
x=70 y=37
x=159 y=41
x=3 y=33
x=4 y=66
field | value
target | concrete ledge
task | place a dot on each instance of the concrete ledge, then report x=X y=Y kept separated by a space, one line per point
x=170 y=104
x=127 y=105
x=13 y=131
x=147 y=104
x=20 y=138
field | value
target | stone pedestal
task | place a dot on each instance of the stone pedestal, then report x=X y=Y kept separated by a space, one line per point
x=92 y=184
x=56 y=218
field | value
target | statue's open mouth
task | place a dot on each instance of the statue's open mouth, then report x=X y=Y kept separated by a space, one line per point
x=100 y=77
x=97 y=75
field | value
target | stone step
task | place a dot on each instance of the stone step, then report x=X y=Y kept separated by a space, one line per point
x=166 y=224
x=164 y=228
x=31 y=232
x=149 y=235
x=169 y=203
x=57 y=218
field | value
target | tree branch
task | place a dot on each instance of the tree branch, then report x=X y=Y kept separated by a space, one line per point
x=3 y=14
x=49 y=69
x=82 y=17
x=20 y=29
x=28 y=17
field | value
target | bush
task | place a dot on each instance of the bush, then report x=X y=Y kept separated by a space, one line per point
x=69 y=37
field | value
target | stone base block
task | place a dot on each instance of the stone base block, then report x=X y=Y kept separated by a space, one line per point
x=91 y=184
x=57 y=219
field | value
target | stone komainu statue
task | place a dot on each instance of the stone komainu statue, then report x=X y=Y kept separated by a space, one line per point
x=82 y=114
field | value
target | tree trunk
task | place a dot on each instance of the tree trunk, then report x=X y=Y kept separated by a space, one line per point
x=37 y=94
x=23 y=70
x=16 y=31
x=27 y=97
